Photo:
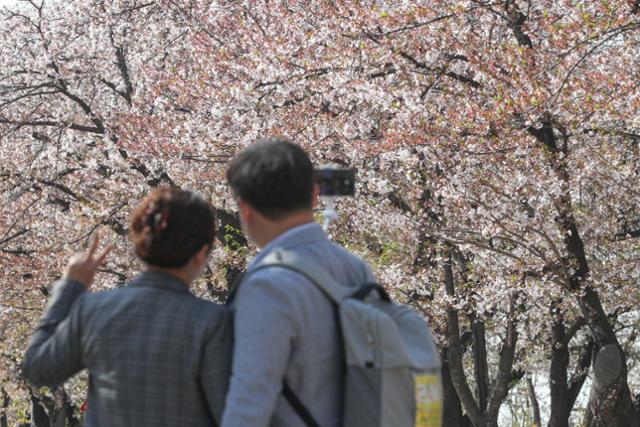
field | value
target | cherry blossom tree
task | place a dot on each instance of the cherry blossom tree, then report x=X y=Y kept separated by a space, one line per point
x=496 y=145
x=521 y=108
x=69 y=73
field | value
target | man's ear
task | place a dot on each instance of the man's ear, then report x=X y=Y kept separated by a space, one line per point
x=315 y=191
x=244 y=210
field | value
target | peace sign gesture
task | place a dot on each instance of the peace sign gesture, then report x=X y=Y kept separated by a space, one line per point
x=82 y=266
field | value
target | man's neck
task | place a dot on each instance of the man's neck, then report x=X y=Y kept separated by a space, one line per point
x=275 y=229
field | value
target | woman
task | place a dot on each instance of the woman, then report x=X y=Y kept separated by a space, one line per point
x=156 y=354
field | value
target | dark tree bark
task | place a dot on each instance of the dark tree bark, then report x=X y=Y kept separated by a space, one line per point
x=229 y=233
x=63 y=413
x=581 y=371
x=39 y=414
x=534 y=403
x=454 y=354
x=516 y=20
x=6 y=399
x=229 y=230
x=564 y=391
x=452 y=415
x=58 y=411
x=558 y=377
x=481 y=367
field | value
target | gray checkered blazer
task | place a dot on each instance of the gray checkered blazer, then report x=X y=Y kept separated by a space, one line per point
x=156 y=355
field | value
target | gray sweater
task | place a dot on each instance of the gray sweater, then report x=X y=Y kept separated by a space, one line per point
x=284 y=328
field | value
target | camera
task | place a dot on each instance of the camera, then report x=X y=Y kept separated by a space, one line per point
x=336 y=181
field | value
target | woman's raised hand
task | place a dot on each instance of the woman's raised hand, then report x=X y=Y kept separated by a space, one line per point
x=82 y=266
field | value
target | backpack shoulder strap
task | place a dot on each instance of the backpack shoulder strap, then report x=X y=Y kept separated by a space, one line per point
x=307 y=268
x=298 y=406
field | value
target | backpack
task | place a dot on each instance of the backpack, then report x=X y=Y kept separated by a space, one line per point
x=392 y=367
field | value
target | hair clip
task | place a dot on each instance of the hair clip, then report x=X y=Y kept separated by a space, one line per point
x=148 y=218
x=160 y=221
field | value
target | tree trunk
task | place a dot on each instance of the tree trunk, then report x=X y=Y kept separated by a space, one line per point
x=39 y=415
x=63 y=413
x=500 y=388
x=452 y=415
x=480 y=362
x=6 y=399
x=565 y=392
x=559 y=392
x=581 y=372
x=534 y=403
x=610 y=402
x=454 y=359
x=229 y=232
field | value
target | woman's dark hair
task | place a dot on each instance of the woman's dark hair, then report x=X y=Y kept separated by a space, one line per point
x=274 y=176
x=170 y=226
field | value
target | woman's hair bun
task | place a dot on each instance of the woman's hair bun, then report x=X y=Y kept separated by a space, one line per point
x=170 y=226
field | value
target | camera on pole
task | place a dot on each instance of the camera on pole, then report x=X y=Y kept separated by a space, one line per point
x=334 y=182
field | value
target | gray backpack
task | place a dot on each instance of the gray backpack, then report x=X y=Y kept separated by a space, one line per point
x=392 y=368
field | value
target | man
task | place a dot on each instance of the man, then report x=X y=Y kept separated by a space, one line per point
x=285 y=329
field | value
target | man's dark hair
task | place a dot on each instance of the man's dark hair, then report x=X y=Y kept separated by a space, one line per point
x=274 y=176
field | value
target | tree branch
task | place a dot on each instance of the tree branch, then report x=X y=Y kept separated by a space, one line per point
x=505 y=364
x=580 y=373
x=573 y=329
x=481 y=367
x=516 y=23
x=534 y=402
x=421 y=65
x=51 y=123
